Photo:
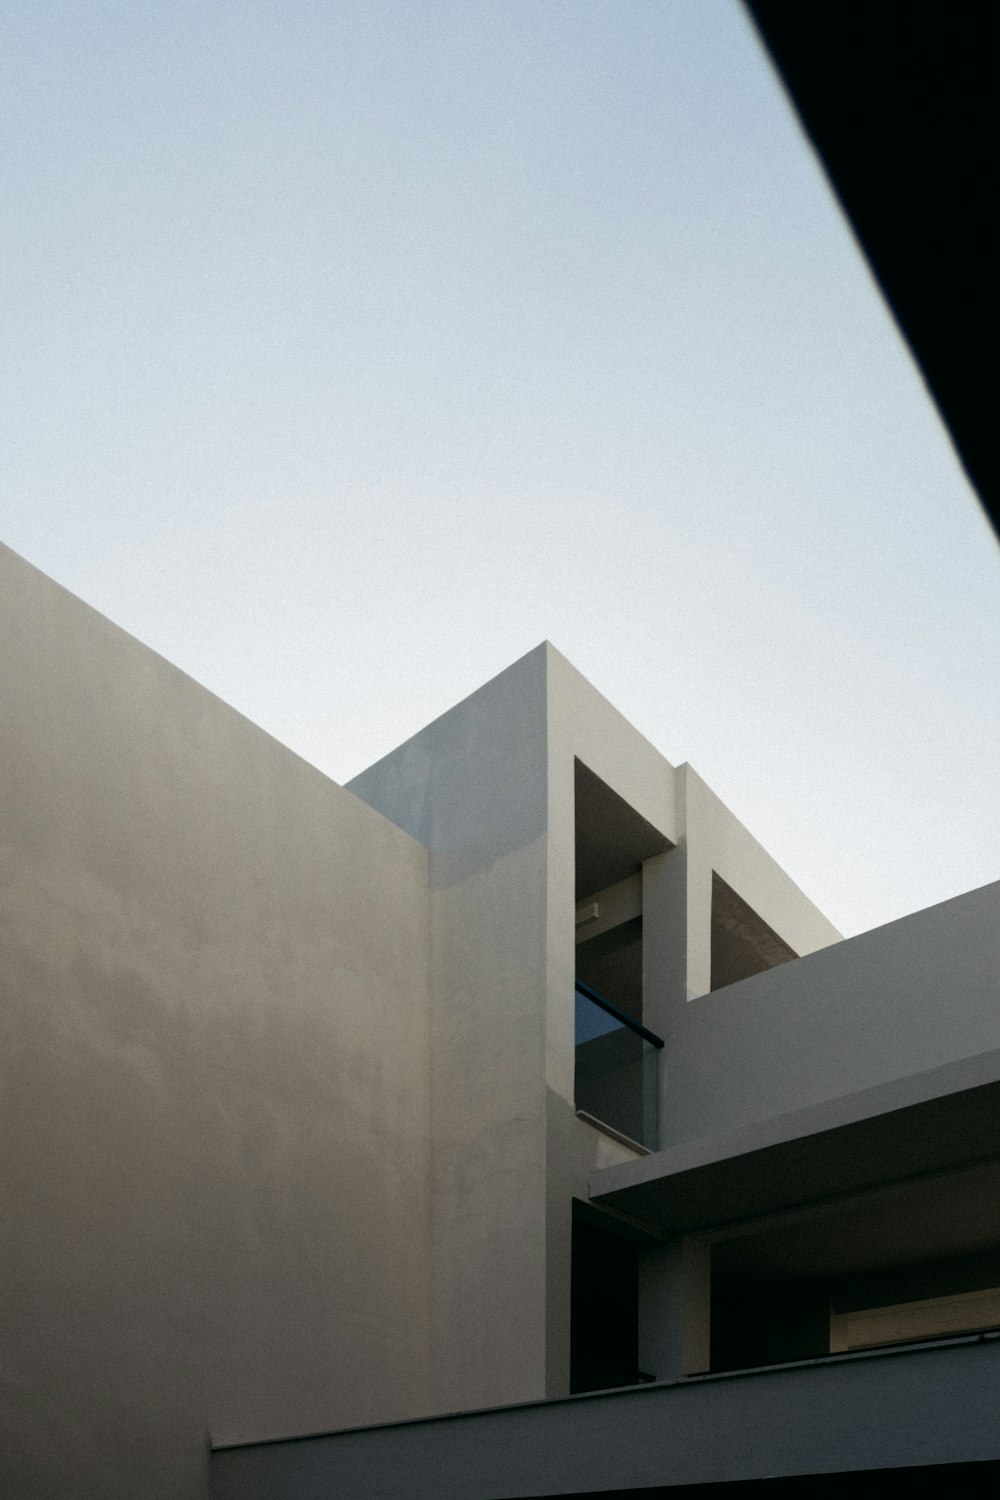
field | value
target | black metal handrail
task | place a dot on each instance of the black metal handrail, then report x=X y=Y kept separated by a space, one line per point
x=619 y=1015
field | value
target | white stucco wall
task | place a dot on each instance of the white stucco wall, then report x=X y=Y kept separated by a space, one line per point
x=288 y=1068
x=472 y=788
x=213 y=1075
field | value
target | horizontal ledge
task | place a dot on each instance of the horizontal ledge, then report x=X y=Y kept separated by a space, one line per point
x=622 y=1393
x=616 y=1135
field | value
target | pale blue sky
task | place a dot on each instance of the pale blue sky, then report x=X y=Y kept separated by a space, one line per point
x=350 y=349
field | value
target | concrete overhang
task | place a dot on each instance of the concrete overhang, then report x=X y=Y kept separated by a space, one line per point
x=931 y=1122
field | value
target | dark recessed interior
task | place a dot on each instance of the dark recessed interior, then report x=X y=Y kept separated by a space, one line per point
x=773 y=1290
x=742 y=943
x=611 y=964
x=612 y=839
x=604 y=1324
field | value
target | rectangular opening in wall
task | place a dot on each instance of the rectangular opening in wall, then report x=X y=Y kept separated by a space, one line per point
x=936 y=1299
x=913 y=1261
x=616 y=1055
x=742 y=942
x=768 y=1322
x=604 y=1327
x=611 y=963
x=612 y=839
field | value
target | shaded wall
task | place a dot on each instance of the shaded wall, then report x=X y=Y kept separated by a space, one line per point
x=213 y=1075
x=472 y=788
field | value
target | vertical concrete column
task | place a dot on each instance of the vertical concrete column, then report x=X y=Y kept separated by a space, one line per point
x=665 y=963
x=560 y=1051
x=677 y=913
x=698 y=806
x=675 y=1308
x=558 y=1248
x=664 y=939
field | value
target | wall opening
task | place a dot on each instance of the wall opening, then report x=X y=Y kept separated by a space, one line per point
x=616 y=1055
x=611 y=964
x=742 y=942
x=604 y=1327
x=772 y=1322
x=917 y=1260
x=612 y=839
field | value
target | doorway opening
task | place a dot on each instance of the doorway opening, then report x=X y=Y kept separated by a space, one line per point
x=604 y=1326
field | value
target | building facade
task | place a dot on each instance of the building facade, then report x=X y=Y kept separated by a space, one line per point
x=514 y=1078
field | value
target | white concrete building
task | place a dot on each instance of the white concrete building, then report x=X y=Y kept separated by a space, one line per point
x=513 y=1071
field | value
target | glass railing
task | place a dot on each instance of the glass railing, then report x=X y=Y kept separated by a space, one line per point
x=617 y=1069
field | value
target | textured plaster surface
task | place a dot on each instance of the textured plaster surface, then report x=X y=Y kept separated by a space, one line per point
x=214 y=1167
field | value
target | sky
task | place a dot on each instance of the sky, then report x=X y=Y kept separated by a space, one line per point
x=350 y=348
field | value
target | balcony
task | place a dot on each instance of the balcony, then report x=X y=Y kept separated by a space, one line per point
x=617 y=1069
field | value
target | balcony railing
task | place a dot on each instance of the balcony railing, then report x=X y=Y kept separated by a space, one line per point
x=617 y=1070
